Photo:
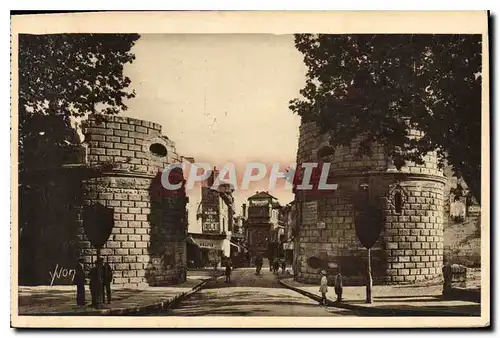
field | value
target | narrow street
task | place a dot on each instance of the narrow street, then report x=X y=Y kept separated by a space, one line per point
x=251 y=295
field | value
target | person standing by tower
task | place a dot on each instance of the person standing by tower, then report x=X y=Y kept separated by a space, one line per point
x=96 y=283
x=80 y=282
x=323 y=288
x=107 y=280
x=228 y=271
x=339 y=286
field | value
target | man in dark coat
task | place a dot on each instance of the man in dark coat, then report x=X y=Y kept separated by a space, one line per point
x=228 y=272
x=258 y=263
x=80 y=283
x=96 y=283
x=276 y=266
x=107 y=280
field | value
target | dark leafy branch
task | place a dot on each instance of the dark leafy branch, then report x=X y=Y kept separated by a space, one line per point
x=68 y=75
x=378 y=87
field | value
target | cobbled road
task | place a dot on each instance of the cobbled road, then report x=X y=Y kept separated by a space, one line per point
x=249 y=294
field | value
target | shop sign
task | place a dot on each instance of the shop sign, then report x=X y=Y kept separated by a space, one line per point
x=208 y=244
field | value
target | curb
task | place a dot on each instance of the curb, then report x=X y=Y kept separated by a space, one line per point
x=467 y=294
x=378 y=310
x=130 y=311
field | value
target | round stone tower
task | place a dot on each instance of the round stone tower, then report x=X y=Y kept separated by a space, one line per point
x=147 y=243
x=120 y=169
x=410 y=247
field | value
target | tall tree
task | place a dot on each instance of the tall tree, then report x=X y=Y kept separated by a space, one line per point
x=377 y=87
x=68 y=75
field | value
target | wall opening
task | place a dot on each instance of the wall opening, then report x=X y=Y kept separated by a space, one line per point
x=398 y=202
x=158 y=149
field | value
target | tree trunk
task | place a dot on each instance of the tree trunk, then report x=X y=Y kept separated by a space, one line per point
x=369 y=281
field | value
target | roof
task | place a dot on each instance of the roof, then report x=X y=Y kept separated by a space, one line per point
x=262 y=194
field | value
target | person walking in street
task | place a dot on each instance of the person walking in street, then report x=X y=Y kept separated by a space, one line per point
x=323 y=288
x=283 y=267
x=276 y=266
x=338 y=286
x=96 y=283
x=107 y=280
x=228 y=272
x=258 y=264
x=80 y=282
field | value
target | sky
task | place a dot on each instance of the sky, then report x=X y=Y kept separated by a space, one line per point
x=222 y=98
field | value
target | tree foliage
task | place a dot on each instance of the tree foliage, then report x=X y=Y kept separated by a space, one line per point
x=378 y=87
x=69 y=75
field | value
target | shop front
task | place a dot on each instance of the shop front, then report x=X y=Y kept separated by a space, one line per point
x=207 y=250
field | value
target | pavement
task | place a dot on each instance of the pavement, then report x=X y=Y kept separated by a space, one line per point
x=249 y=294
x=61 y=300
x=392 y=300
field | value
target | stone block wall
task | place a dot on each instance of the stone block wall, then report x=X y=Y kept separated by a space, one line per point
x=345 y=159
x=147 y=241
x=125 y=143
x=414 y=237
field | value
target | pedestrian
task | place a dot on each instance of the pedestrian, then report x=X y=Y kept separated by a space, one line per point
x=107 y=280
x=276 y=266
x=96 y=283
x=80 y=282
x=283 y=267
x=271 y=262
x=323 y=288
x=339 y=286
x=228 y=272
x=258 y=264
x=447 y=276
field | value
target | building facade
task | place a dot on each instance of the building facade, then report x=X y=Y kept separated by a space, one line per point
x=410 y=246
x=288 y=213
x=263 y=229
x=210 y=223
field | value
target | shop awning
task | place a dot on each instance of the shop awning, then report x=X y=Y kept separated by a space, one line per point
x=240 y=248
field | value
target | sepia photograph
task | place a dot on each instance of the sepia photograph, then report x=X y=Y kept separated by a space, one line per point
x=266 y=173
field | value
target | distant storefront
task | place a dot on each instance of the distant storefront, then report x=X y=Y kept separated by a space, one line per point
x=207 y=249
x=288 y=250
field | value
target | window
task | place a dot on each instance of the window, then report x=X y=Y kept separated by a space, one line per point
x=158 y=149
x=398 y=202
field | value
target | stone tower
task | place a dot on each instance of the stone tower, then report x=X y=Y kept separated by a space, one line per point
x=121 y=171
x=410 y=247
